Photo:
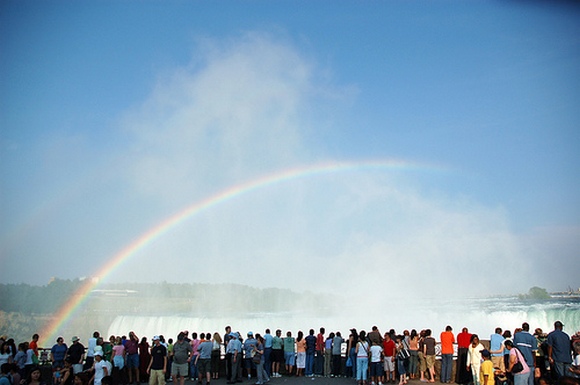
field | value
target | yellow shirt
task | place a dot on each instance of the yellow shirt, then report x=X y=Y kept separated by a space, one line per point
x=486 y=369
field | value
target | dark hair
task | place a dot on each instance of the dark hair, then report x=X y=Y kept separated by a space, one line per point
x=508 y=343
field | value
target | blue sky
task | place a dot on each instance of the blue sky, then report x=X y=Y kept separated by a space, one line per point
x=115 y=115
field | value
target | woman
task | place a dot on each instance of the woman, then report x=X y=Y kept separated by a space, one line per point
x=57 y=353
x=351 y=351
x=67 y=373
x=362 y=358
x=34 y=377
x=474 y=358
x=118 y=360
x=401 y=347
x=328 y=355
x=5 y=356
x=101 y=369
x=521 y=377
x=260 y=371
x=300 y=354
x=215 y=355
x=414 y=351
x=144 y=359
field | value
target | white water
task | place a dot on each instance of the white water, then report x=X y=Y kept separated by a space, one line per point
x=481 y=316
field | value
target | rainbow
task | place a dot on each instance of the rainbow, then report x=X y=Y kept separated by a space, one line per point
x=77 y=299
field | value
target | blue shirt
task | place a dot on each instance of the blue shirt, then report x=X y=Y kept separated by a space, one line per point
x=561 y=346
x=310 y=344
x=527 y=344
x=268 y=341
x=495 y=341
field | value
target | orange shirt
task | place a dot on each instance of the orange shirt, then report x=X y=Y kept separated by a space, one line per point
x=447 y=341
x=301 y=346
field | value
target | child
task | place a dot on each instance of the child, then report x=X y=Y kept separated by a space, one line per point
x=376 y=370
x=486 y=371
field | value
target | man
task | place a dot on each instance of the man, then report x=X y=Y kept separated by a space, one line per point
x=319 y=360
x=447 y=341
x=234 y=349
x=249 y=345
x=311 y=346
x=268 y=339
x=463 y=341
x=496 y=348
x=132 y=351
x=228 y=357
x=559 y=350
x=76 y=353
x=429 y=353
x=182 y=352
x=34 y=344
x=158 y=363
x=204 y=359
x=389 y=351
x=528 y=346
x=277 y=353
x=92 y=343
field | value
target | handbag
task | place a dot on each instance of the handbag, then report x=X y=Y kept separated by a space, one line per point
x=403 y=354
x=349 y=362
x=518 y=367
x=257 y=358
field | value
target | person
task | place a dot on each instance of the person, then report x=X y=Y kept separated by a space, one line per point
x=486 y=372
x=289 y=352
x=328 y=355
x=157 y=363
x=234 y=348
x=542 y=363
x=516 y=356
x=193 y=372
x=375 y=336
x=362 y=358
x=414 y=354
x=34 y=344
x=429 y=344
x=559 y=350
x=76 y=353
x=215 y=355
x=101 y=368
x=132 y=355
x=228 y=357
x=34 y=377
x=203 y=363
x=5 y=356
x=389 y=352
x=311 y=353
x=401 y=360
x=463 y=376
x=144 y=358
x=496 y=349
x=67 y=374
x=5 y=378
x=507 y=335
x=91 y=345
x=249 y=345
x=268 y=338
x=376 y=352
x=474 y=358
x=351 y=352
x=319 y=351
x=447 y=341
x=182 y=352
x=58 y=353
x=527 y=345
x=277 y=353
x=259 y=360
x=337 y=355
x=301 y=354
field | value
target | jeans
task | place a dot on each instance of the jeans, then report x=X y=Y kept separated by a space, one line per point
x=267 y=361
x=522 y=379
x=446 y=365
x=362 y=365
x=309 y=363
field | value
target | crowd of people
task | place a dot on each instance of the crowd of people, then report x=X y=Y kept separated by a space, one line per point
x=521 y=358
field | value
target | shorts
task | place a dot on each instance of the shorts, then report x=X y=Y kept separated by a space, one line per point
x=376 y=369
x=301 y=360
x=133 y=361
x=388 y=364
x=430 y=359
x=289 y=358
x=180 y=369
x=277 y=355
x=204 y=365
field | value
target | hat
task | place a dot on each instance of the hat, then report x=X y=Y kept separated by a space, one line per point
x=558 y=324
x=250 y=333
x=485 y=353
x=75 y=339
x=155 y=338
x=98 y=353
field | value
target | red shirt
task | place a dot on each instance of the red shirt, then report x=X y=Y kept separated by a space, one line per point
x=463 y=340
x=320 y=342
x=389 y=348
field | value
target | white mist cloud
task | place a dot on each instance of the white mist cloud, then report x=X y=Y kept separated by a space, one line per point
x=243 y=109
